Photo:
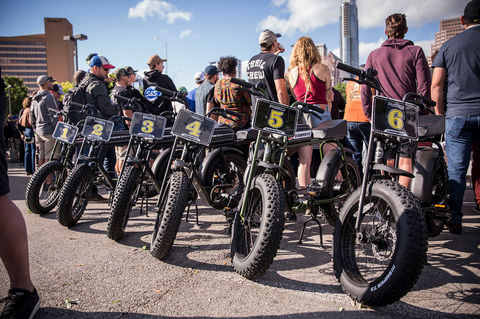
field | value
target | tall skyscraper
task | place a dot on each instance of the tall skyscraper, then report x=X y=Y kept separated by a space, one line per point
x=349 y=33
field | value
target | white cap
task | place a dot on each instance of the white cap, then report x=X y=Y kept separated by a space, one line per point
x=199 y=77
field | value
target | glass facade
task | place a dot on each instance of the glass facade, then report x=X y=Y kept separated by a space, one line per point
x=349 y=33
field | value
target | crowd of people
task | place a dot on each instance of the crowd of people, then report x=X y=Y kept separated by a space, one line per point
x=402 y=67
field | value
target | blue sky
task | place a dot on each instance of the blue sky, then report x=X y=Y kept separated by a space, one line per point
x=198 y=32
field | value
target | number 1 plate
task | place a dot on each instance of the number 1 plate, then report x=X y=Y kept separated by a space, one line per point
x=97 y=129
x=65 y=132
x=275 y=118
x=194 y=127
x=147 y=125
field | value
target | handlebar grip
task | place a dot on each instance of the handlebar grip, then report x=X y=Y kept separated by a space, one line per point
x=122 y=98
x=239 y=115
x=348 y=68
x=242 y=83
x=76 y=104
x=315 y=108
x=167 y=92
x=429 y=101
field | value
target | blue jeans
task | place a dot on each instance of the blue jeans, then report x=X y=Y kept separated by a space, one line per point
x=29 y=152
x=358 y=135
x=460 y=134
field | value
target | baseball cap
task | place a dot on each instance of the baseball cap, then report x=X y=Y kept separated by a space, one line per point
x=154 y=59
x=89 y=57
x=211 y=70
x=58 y=88
x=130 y=70
x=267 y=37
x=182 y=89
x=199 y=77
x=44 y=78
x=120 y=72
x=472 y=11
x=100 y=60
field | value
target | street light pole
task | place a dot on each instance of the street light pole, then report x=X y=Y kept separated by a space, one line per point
x=75 y=38
x=166 y=58
x=9 y=99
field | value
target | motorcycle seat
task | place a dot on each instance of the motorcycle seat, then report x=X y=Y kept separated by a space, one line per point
x=331 y=129
x=431 y=125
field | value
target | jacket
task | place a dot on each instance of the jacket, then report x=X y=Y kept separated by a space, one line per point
x=156 y=78
x=96 y=93
x=42 y=113
x=400 y=65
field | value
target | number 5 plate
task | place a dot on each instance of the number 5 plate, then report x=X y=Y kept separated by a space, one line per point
x=97 y=129
x=395 y=117
x=194 y=127
x=275 y=118
x=65 y=132
x=147 y=125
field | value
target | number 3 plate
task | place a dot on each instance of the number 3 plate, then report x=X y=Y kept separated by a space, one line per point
x=275 y=118
x=147 y=125
x=97 y=129
x=194 y=127
x=65 y=132
x=395 y=117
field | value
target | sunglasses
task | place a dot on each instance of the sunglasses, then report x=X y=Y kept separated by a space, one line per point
x=106 y=69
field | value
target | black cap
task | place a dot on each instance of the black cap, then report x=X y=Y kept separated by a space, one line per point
x=472 y=12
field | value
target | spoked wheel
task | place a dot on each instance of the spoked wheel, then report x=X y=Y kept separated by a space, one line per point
x=256 y=238
x=222 y=182
x=170 y=214
x=74 y=195
x=439 y=191
x=335 y=184
x=123 y=200
x=379 y=264
x=43 y=191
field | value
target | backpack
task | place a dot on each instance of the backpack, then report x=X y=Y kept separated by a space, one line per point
x=76 y=94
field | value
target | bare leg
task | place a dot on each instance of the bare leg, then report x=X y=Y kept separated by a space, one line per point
x=14 y=245
x=304 y=158
x=405 y=164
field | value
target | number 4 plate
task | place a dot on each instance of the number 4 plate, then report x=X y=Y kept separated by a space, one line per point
x=65 y=132
x=147 y=125
x=194 y=127
x=275 y=118
x=97 y=129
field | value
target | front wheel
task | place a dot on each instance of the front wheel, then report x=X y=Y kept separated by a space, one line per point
x=41 y=196
x=74 y=195
x=256 y=238
x=123 y=201
x=379 y=264
x=170 y=214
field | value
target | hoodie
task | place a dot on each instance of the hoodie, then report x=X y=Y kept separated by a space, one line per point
x=156 y=78
x=402 y=68
x=42 y=113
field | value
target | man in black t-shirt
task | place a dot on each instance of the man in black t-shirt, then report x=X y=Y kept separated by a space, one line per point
x=269 y=68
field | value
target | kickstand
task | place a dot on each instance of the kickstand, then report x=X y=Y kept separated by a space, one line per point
x=188 y=211
x=312 y=218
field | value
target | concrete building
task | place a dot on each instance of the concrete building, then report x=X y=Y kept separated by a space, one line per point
x=349 y=33
x=29 y=56
x=448 y=29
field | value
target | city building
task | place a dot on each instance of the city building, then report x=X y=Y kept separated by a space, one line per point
x=239 y=67
x=29 y=56
x=349 y=33
x=448 y=29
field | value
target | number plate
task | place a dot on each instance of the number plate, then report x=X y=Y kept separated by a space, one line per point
x=275 y=118
x=147 y=125
x=194 y=127
x=65 y=132
x=395 y=117
x=97 y=129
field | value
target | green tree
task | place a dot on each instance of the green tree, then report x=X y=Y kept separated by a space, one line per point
x=340 y=87
x=66 y=86
x=18 y=93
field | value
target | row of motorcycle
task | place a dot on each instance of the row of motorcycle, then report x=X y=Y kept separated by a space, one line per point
x=381 y=228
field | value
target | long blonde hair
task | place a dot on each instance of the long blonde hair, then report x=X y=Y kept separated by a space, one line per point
x=304 y=56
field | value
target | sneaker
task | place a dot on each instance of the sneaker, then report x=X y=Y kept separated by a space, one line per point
x=454 y=228
x=97 y=198
x=20 y=304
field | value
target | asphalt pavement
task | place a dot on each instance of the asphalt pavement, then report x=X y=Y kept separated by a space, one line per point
x=197 y=280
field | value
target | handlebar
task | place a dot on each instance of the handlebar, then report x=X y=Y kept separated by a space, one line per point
x=220 y=111
x=246 y=84
x=259 y=89
x=174 y=95
x=424 y=99
x=349 y=69
x=368 y=76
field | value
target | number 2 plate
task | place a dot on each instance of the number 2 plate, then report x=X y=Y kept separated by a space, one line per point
x=395 y=117
x=147 y=125
x=97 y=129
x=275 y=118
x=194 y=127
x=65 y=132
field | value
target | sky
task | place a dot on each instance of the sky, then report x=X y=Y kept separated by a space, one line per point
x=193 y=33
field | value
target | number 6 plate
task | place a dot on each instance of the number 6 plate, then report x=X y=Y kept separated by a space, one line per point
x=65 y=132
x=194 y=127
x=97 y=129
x=395 y=117
x=275 y=118
x=147 y=125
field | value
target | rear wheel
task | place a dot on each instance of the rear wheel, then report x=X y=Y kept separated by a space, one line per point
x=256 y=238
x=74 y=195
x=439 y=194
x=41 y=196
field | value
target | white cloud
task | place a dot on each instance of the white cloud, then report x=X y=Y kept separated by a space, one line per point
x=364 y=49
x=372 y=13
x=185 y=33
x=426 y=46
x=305 y=16
x=162 y=9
